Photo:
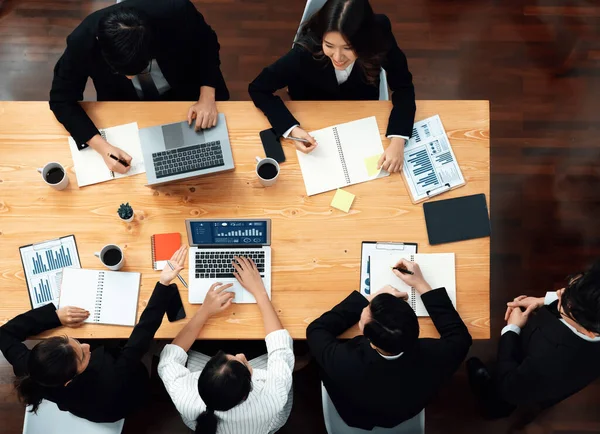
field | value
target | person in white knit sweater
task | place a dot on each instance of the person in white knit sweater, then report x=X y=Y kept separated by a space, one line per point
x=227 y=393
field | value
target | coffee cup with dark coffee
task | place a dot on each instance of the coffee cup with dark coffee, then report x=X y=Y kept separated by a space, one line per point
x=267 y=170
x=111 y=256
x=55 y=175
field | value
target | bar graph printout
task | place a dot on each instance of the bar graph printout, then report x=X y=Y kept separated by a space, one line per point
x=43 y=264
x=430 y=167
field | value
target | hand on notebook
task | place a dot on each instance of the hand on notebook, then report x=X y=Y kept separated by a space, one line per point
x=393 y=157
x=105 y=149
x=217 y=299
x=415 y=280
x=247 y=274
x=70 y=316
x=389 y=289
x=299 y=133
x=178 y=262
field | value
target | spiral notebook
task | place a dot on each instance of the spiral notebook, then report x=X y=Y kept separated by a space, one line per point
x=111 y=297
x=340 y=157
x=163 y=247
x=90 y=167
x=438 y=270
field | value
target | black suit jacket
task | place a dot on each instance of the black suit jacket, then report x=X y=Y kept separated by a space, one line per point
x=185 y=47
x=310 y=79
x=546 y=363
x=368 y=390
x=112 y=386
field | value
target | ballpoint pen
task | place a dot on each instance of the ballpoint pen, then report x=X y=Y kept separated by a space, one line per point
x=180 y=278
x=403 y=270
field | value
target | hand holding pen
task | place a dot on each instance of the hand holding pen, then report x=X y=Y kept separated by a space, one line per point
x=304 y=142
x=410 y=273
x=171 y=271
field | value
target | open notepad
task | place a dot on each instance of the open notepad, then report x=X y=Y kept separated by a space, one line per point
x=111 y=297
x=438 y=270
x=90 y=167
x=339 y=158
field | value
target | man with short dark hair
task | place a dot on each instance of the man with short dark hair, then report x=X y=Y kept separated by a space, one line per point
x=547 y=352
x=138 y=50
x=387 y=375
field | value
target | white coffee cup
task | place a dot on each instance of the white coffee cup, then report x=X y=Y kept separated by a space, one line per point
x=59 y=185
x=112 y=264
x=265 y=180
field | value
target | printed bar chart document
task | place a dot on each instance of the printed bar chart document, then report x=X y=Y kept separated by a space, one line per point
x=430 y=167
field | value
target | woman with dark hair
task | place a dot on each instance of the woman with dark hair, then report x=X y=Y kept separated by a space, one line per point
x=226 y=393
x=338 y=55
x=94 y=385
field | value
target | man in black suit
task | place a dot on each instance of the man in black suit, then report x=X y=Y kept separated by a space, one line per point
x=138 y=50
x=547 y=352
x=387 y=375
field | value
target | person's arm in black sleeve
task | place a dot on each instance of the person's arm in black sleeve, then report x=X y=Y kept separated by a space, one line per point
x=143 y=333
x=402 y=116
x=70 y=78
x=322 y=333
x=454 y=335
x=271 y=79
x=18 y=329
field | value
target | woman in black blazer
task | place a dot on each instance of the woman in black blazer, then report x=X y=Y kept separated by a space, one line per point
x=94 y=385
x=338 y=56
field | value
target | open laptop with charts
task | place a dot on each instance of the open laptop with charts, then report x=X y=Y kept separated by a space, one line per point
x=214 y=243
x=174 y=152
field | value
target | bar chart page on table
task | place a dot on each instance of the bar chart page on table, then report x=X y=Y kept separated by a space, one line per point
x=43 y=264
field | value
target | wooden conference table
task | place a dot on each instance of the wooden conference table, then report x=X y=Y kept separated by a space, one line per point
x=316 y=248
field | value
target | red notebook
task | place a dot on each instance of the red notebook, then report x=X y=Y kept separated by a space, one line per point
x=163 y=247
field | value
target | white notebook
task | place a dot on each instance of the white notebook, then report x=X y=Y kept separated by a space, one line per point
x=111 y=297
x=90 y=167
x=438 y=270
x=339 y=158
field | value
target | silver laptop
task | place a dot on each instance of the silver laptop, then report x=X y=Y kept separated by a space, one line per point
x=214 y=243
x=176 y=151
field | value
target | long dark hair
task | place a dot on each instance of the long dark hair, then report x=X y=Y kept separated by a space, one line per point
x=51 y=363
x=355 y=20
x=581 y=299
x=223 y=384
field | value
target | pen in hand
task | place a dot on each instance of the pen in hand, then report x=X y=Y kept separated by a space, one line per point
x=298 y=139
x=403 y=270
x=180 y=278
x=123 y=162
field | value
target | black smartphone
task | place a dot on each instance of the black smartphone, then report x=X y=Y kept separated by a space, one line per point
x=271 y=145
x=175 y=310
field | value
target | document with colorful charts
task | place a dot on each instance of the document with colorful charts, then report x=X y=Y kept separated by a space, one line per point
x=43 y=264
x=430 y=167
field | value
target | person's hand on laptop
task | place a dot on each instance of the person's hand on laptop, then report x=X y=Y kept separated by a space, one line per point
x=105 y=149
x=217 y=299
x=247 y=274
x=205 y=110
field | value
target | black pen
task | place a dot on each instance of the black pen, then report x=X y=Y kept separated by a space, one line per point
x=403 y=270
x=123 y=162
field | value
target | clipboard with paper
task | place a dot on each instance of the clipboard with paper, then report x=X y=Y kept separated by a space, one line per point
x=430 y=166
x=372 y=249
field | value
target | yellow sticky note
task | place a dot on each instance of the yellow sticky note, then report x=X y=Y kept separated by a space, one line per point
x=342 y=200
x=371 y=164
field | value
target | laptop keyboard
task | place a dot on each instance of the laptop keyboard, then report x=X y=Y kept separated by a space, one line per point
x=217 y=264
x=188 y=159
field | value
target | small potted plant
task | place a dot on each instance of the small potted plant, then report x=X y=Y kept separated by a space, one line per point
x=125 y=212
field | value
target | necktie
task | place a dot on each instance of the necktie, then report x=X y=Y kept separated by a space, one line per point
x=148 y=87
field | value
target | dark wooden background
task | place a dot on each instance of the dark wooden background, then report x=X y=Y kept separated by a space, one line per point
x=545 y=152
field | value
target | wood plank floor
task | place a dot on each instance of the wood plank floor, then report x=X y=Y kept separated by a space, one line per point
x=545 y=151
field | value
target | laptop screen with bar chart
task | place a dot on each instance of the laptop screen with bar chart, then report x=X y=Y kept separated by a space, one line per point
x=230 y=232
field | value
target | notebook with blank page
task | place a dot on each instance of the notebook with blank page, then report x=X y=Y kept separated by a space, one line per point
x=111 y=297
x=438 y=270
x=342 y=156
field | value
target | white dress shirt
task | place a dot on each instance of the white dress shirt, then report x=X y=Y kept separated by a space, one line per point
x=264 y=411
x=550 y=298
x=161 y=83
x=341 y=77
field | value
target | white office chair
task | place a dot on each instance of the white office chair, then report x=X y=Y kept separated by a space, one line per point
x=49 y=419
x=336 y=425
x=313 y=6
